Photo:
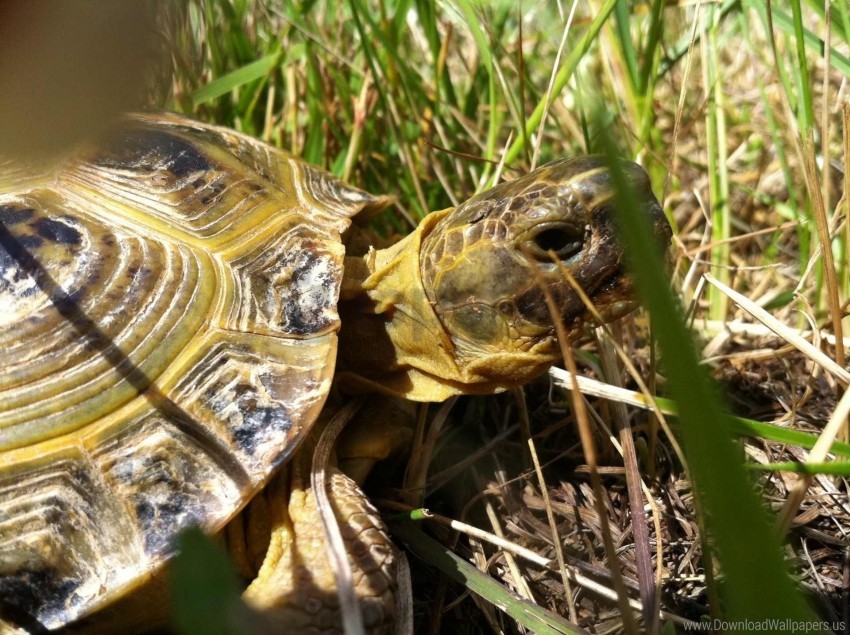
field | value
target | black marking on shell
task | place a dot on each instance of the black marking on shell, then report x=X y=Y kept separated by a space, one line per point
x=40 y=574
x=145 y=150
x=302 y=285
x=11 y=271
x=250 y=422
x=163 y=500
x=37 y=592
x=161 y=521
x=57 y=231
x=30 y=242
x=260 y=423
x=10 y=215
x=305 y=313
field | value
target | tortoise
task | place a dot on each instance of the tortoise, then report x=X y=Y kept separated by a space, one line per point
x=172 y=300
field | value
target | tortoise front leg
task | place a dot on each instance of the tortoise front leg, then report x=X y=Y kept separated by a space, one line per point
x=295 y=587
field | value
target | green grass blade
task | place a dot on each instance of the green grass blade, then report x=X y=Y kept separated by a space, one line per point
x=741 y=426
x=622 y=23
x=718 y=174
x=739 y=525
x=836 y=468
x=483 y=46
x=778 y=434
x=563 y=76
x=526 y=613
x=240 y=77
x=785 y=23
x=653 y=42
x=802 y=67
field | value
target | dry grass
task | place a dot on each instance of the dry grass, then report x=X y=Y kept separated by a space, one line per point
x=402 y=100
x=581 y=507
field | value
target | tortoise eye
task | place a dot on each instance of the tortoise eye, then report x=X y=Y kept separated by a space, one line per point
x=563 y=239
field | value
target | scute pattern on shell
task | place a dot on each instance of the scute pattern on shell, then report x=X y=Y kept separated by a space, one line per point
x=168 y=321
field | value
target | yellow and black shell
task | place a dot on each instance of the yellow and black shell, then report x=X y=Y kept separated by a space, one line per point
x=168 y=327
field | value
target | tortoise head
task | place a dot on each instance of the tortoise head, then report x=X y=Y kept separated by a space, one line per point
x=485 y=265
x=464 y=298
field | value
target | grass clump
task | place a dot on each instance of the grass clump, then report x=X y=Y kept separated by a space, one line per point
x=735 y=110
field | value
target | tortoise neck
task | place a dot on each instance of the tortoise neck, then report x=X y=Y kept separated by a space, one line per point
x=356 y=272
x=391 y=340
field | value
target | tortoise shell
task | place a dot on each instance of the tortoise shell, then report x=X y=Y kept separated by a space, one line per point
x=168 y=326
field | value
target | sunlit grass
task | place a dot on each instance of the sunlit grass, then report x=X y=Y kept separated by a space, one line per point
x=733 y=112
